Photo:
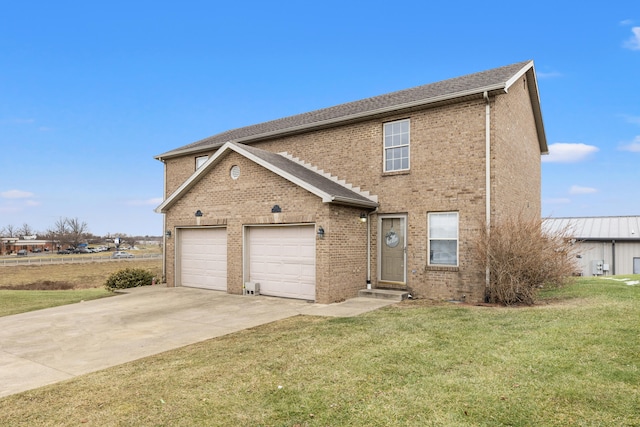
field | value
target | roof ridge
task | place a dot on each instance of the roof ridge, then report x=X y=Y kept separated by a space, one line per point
x=342 y=182
x=474 y=84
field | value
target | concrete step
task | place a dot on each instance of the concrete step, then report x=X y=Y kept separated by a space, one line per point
x=392 y=294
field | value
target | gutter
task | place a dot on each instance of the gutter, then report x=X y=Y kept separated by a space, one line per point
x=337 y=120
x=487 y=177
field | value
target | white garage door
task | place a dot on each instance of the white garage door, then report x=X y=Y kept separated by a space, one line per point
x=283 y=260
x=203 y=258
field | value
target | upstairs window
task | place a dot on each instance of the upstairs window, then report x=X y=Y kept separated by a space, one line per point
x=396 y=146
x=443 y=238
x=200 y=161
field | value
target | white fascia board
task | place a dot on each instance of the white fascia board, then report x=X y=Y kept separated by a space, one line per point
x=326 y=197
x=517 y=75
x=193 y=178
x=338 y=120
x=355 y=202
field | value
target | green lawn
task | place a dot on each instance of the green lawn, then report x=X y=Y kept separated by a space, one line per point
x=14 y=302
x=572 y=360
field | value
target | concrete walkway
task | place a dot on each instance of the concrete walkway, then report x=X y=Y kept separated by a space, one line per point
x=46 y=346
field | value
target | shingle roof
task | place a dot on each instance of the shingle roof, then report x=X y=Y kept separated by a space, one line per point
x=491 y=80
x=597 y=228
x=328 y=188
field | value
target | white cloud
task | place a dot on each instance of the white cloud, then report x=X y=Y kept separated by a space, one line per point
x=557 y=201
x=576 y=189
x=626 y=22
x=17 y=121
x=16 y=194
x=563 y=152
x=633 y=146
x=634 y=42
x=548 y=75
x=633 y=119
x=148 y=202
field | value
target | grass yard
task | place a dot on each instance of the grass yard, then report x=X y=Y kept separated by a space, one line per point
x=572 y=360
x=33 y=287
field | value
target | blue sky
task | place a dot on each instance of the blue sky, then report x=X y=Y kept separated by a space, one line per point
x=91 y=91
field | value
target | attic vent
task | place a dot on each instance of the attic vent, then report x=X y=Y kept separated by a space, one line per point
x=235 y=172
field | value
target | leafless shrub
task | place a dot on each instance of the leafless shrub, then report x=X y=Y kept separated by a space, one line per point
x=521 y=257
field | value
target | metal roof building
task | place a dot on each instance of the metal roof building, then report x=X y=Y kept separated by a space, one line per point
x=607 y=244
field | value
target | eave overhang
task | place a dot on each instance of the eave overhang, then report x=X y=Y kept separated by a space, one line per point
x=356 y=200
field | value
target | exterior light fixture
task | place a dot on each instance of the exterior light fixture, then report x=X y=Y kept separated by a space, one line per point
x=363 y=217
x=168 y=234
x=320 y=232
x=198 y=213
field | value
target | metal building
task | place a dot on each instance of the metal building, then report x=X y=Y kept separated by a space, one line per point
x=607 y=245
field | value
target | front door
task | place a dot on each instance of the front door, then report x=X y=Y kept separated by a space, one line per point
x=393 y=249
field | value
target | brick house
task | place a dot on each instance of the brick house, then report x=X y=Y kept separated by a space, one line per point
x=385 y=192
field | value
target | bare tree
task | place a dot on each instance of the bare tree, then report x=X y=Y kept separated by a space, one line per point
x=77 y=230
x=10 y=231
x=60 y=232
x=25 y=230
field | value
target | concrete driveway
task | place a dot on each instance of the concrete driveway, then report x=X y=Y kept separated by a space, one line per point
x=46 y=346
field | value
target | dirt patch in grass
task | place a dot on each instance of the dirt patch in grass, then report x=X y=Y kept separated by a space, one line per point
x=76 y=275
x=541 y=303
x=44 y=285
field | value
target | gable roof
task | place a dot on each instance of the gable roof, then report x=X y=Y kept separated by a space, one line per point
x=329 y=189
x=597 y=228
x=497 y=80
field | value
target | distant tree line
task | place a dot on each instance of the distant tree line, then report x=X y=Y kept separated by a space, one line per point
x=69 y=232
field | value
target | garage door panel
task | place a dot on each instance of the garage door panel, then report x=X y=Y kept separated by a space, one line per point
x=203 y=261
x=282 y=260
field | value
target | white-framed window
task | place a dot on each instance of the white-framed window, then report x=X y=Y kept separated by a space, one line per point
x=396 y=145
x=200 y=161
x=443 y=238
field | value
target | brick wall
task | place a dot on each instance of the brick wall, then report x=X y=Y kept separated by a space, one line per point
x=447 y=174
x=516 y=163
x=340 y=256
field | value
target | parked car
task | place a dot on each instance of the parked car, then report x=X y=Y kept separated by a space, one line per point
x=66 y=251
x=36 y=250
x=22 y=252
x=121 y=254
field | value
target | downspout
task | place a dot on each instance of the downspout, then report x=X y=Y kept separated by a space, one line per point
x=164 y=225
x=487 y=151
x=369 y=247
x=613 y=257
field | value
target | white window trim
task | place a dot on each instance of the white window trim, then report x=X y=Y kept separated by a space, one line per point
x=429 y=239
x=200 y=160
x=384 y=148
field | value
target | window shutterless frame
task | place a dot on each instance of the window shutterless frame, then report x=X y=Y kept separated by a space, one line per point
x=442 y=228
x=396 y=145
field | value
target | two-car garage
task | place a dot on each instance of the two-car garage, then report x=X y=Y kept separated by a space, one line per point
x=280 y=258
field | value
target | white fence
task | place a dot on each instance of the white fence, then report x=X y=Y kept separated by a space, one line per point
x=68 y=259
